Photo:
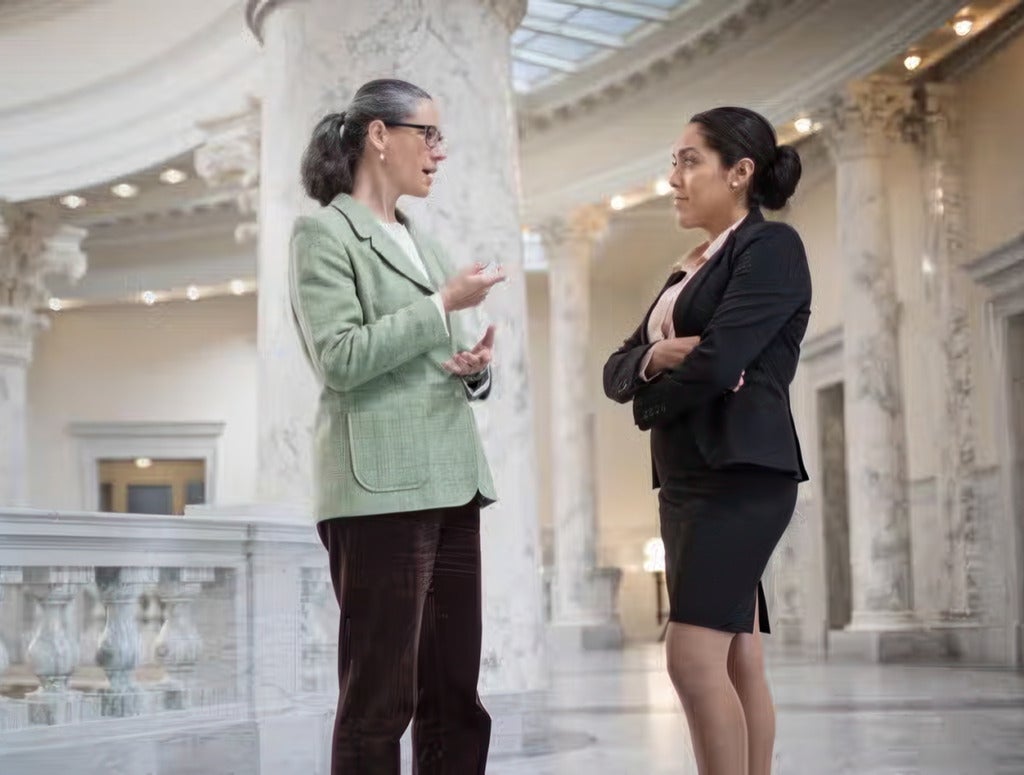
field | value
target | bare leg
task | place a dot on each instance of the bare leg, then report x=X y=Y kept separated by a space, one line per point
x=698 y=666
x=746 y=670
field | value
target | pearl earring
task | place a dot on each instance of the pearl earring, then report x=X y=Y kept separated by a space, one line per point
x=382 y=157
x=733 y=184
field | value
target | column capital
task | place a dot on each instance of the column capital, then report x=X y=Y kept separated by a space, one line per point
x=33 y=245
x=230 y=158
x=864 y=116
x=585 y=226
x=511 y=12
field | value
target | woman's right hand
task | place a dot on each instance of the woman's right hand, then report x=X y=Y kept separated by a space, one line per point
x=669 y=353
x=469 y=287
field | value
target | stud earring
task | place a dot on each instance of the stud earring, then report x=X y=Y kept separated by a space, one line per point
x=382 y=157
x=733 y=184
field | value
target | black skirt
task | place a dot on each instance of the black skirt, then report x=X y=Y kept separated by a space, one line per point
x=719 y=529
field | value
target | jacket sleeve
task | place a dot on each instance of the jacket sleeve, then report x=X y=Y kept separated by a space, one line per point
x=345 y=351
x=622 y=369
x=770 y=282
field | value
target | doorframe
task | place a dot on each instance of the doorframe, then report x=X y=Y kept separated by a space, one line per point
x=821 y=361
x=1001 y=273
x=158 y=440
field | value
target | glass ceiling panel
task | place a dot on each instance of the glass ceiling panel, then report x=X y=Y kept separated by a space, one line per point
x=563 y=48
x=605 y=21
x=561 y=37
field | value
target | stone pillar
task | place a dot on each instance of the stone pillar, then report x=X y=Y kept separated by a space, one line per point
x=584 y=596
x=865 y=119
x=33 y=245
x=317 y=53
x=949 y=286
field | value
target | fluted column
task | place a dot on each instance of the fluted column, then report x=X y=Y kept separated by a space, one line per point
x=33 y=245
x=317 y=53
x=583 y=595
x=949 y=286
x=864 y=120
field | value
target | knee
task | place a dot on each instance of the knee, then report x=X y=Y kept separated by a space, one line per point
x=746 y=661
x=693 y=676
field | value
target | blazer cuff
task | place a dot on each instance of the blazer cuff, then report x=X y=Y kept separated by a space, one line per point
x=439 y=303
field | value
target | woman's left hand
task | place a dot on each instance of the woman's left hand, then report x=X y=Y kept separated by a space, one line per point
x=469 y=362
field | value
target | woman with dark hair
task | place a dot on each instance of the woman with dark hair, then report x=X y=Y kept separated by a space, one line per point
x=708 y=373
x=400 y=471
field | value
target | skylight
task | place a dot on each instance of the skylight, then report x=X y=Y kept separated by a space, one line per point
x=561 y=37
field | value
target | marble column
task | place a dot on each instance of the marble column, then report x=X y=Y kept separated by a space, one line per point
x=33 y=245
x=949 y=293
x=317 y=53
x=865 y=118
x=584 y=596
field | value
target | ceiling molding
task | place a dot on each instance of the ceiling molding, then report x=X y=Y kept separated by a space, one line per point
x=118 y=125
x=686 y=38
x=613 y=151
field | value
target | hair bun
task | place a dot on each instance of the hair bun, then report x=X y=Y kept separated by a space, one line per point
x=780 y=178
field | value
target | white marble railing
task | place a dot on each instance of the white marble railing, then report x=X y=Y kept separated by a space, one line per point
x=116 y=628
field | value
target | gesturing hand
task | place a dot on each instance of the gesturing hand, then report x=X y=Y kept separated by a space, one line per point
x=469 y=287
x=469 y=362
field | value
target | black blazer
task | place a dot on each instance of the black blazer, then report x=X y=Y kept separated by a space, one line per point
x=749 y=305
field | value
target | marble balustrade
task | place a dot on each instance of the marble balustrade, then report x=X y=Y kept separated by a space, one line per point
x=111 y=622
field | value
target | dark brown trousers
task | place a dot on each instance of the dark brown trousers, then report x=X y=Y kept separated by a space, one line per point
x=409 y=645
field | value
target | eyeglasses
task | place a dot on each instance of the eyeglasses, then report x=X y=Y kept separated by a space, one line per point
x=431 y=134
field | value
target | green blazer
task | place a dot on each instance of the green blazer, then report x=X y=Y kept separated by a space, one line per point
x=394 y=431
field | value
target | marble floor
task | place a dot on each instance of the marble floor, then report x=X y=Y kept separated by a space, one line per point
x=615 y=714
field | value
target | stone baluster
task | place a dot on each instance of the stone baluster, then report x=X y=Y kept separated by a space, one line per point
x=179 y=643
x=53 y=652
x=8 y=577
x=317 y=644
x=120 y=643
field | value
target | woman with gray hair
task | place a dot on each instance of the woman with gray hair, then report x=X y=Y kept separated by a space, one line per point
x=400 y=471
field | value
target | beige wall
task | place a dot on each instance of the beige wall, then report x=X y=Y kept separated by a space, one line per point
x=168 y=363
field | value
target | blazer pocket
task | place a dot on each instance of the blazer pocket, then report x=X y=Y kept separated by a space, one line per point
x=387 y=449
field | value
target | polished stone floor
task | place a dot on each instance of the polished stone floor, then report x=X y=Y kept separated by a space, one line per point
x=615 y=714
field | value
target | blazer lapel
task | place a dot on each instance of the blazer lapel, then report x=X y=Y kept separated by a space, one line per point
x=675 y=277
x=724 y=253
x=364 y=225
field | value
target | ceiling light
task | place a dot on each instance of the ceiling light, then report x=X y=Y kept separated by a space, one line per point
x=803 y=125
x=618 y=202
x=124 y=190
x=172 y=176
x=143 y=462
x=148 y=298
x=912 y=62
x=56 y=305
x=72 y=201
x=964 y=26
x=237 y=287
x=192 y=293
x=662 y=187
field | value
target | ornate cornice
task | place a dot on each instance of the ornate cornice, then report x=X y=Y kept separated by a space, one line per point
x=646 y=71
x=230 y=158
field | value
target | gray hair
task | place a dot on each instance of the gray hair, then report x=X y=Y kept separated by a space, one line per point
x=332 y=157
